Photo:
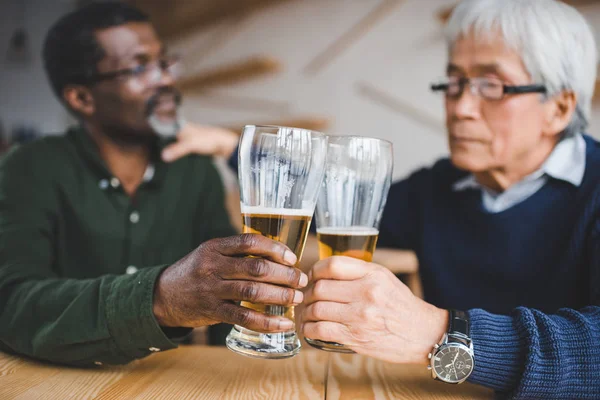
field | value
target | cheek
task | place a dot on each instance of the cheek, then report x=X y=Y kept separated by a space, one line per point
x=134 y=86
x=514 y=126
x=127 y=104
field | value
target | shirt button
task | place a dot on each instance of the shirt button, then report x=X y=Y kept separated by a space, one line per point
x=103 y=184
x=134 y=217
x=114 y=182
x=154 y=349
x=130 y=270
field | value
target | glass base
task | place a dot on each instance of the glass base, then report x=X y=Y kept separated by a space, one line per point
x=263 y=345
x=329 y=346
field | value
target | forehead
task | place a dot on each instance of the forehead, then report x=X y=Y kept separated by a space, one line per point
x=126 y=41
x=479 y=54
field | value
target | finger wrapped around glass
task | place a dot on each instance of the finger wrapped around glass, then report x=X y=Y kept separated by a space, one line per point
x=280 y=171
x=354 y=190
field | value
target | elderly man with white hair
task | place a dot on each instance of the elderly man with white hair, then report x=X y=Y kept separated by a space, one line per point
x=507 y=231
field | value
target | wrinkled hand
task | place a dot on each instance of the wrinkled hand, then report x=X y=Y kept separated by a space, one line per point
x=364 y=306
x=201 y=139
x=202 y=288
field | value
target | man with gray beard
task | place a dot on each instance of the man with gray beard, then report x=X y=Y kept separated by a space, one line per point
x=107 y=252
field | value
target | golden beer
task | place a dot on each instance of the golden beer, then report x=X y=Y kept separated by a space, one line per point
x=355 y=241
x=287 y=226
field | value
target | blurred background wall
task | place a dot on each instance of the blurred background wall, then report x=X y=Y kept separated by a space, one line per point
x=343 y=66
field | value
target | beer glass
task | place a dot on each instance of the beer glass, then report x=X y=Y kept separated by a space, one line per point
x=280 y=172
x=354 y=190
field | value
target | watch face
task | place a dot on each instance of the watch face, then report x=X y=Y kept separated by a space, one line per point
x=453 y=363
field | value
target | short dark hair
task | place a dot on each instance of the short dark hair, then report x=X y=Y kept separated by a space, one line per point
x=71 y=52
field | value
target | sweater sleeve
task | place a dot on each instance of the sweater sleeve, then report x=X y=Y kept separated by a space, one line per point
x=534 y=355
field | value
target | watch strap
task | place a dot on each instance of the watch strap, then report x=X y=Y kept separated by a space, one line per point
x=459 y=323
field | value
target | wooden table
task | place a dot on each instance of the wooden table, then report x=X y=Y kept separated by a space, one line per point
x=200 y=372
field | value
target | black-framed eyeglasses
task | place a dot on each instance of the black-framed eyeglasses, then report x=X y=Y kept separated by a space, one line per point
x=486 y=88
x=147 y=74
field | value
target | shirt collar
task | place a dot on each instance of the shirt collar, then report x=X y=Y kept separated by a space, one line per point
x=88 y=149
x=566 y=162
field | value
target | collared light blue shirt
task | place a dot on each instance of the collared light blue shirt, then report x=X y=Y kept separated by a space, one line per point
x=566 y=163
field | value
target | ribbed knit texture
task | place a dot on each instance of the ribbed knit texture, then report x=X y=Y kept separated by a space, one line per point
x=529 y=276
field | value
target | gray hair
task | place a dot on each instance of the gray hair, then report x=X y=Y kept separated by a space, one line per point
x=555 y=43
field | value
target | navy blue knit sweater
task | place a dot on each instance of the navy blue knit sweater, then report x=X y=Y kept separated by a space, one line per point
x=529 y=276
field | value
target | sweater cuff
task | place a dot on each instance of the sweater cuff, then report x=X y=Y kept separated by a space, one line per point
x=131 y=321
x=500 y=349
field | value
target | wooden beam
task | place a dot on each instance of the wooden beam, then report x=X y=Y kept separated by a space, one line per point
x=220 y=36
x=176 y=18
x=578 y=3
x=313 y=123
x=399 y=106
x=357 y=31
x=443 y=14
x=250 y=68
x=225 y=101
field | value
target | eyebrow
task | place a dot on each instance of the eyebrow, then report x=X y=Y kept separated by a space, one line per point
x=479 y=68
x=144 y=55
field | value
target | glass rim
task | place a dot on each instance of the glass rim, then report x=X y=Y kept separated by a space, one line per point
x=360 y=137
x=319 y=133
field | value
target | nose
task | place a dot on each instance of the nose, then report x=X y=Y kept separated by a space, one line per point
x=161 y=76
x=166 y=78
x=466 y=106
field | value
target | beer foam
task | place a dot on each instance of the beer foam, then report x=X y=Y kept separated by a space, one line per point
x=299 y=212
x=348 y=230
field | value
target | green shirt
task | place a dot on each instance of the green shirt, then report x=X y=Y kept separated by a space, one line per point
x=79 y=258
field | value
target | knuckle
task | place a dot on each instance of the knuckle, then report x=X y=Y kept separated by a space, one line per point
x=382 y=272
x=224 y=313
x=371 y=294
x=287 y=296
x=334 y=264
x=306 y=329
x=249 y=292
x=242 y=316
x=258 y=268
x=318 y=310
x=293 y=276
x=247 y=241
x=267 y=324
x=206 y=246
x=321 y=330
x=367 y=313
x=319 y=289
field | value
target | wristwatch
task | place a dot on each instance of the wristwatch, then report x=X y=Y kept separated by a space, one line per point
x=452 y=360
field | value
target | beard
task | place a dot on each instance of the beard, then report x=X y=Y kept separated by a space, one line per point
x=163 y=112
x=166 y=128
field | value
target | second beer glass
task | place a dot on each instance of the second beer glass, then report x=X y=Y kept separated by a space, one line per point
x=357 y=179
x=280 y=171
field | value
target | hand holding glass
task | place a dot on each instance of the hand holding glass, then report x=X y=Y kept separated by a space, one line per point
x=280 y=170
x=357 y=179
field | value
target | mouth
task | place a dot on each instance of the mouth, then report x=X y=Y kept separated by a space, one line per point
x=465 y=139
x=165 y=108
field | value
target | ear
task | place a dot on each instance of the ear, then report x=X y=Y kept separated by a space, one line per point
x=559 y=112
x=79 y=98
